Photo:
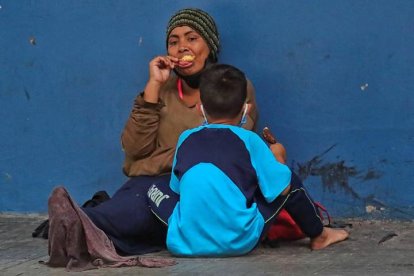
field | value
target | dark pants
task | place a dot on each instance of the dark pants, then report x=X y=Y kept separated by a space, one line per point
x=297 y=202
x=127 y=219
x=135 y=218
x=299 y=205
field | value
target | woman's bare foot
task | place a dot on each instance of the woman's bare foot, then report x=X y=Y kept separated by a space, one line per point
x=327 y=237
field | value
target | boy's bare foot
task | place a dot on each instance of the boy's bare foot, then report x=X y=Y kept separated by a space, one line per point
x=327 y=237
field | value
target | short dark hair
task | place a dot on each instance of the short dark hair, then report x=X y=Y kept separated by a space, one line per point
x=223 y=91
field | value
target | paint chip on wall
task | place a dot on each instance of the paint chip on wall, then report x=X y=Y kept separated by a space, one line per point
x=370 y=208
x=32 y=40
x=364 y=86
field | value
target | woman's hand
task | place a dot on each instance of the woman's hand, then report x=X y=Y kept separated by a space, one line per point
x=160 y=68
x=159 y=71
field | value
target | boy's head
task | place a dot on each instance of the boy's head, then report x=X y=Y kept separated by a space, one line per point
x=223 y=91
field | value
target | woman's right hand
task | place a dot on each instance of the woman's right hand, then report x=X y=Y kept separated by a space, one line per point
x=159 y=71
x=160 y=68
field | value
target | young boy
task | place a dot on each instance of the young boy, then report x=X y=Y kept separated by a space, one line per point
x=226 y=186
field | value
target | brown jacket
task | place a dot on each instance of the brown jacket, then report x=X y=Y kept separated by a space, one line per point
x=152 y=130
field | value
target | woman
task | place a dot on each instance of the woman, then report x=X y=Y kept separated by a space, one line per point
x=160 y=113
x=167 y=106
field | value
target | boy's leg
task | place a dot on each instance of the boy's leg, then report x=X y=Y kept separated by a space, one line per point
x=302 y=209
x=298 y=204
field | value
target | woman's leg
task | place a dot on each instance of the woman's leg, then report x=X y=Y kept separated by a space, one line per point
x=162 y=201
x=127 y=219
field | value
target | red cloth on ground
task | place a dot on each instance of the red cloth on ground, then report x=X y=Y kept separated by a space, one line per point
x=285 y=227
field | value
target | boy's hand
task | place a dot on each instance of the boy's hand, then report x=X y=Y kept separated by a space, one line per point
x=277 y=149
x=268 y=136
x=279 y=152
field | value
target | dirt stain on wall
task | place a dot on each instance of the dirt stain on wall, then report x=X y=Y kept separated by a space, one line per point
x=335 y=175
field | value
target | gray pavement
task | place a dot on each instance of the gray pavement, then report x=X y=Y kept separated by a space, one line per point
x=362 y=254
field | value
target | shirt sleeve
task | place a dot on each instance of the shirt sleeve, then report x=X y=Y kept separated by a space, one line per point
x=273 y=176
x=140 y=133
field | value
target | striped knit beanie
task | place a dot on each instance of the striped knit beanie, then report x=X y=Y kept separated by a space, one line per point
x=202 y=23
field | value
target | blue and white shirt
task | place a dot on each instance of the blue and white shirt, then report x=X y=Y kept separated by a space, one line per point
x=221 y=172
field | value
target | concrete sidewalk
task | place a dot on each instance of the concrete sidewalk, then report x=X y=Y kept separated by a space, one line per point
x=374 y=248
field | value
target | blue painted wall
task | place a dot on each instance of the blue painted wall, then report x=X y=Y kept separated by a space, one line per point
x=334 y=80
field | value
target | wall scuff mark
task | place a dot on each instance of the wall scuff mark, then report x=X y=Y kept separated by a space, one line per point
x=337 y=174
x=7 y=177
x=26 y=93
x=334 y=174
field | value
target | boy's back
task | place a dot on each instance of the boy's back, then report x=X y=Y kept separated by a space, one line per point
x=223 y=174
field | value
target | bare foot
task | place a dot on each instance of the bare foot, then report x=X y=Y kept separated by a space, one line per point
x=327 y=237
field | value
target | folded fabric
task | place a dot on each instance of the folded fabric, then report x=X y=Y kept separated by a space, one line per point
x=77 y=244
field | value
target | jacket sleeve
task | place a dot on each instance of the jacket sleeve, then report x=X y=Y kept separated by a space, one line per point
x=139 y=136
x=273 y=176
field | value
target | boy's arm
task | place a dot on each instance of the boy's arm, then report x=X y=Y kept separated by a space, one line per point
x=174 y=181
x=286 y=191
x=277 y=148
x=273 y=176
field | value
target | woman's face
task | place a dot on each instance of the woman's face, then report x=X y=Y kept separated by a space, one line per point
x=185 y=41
